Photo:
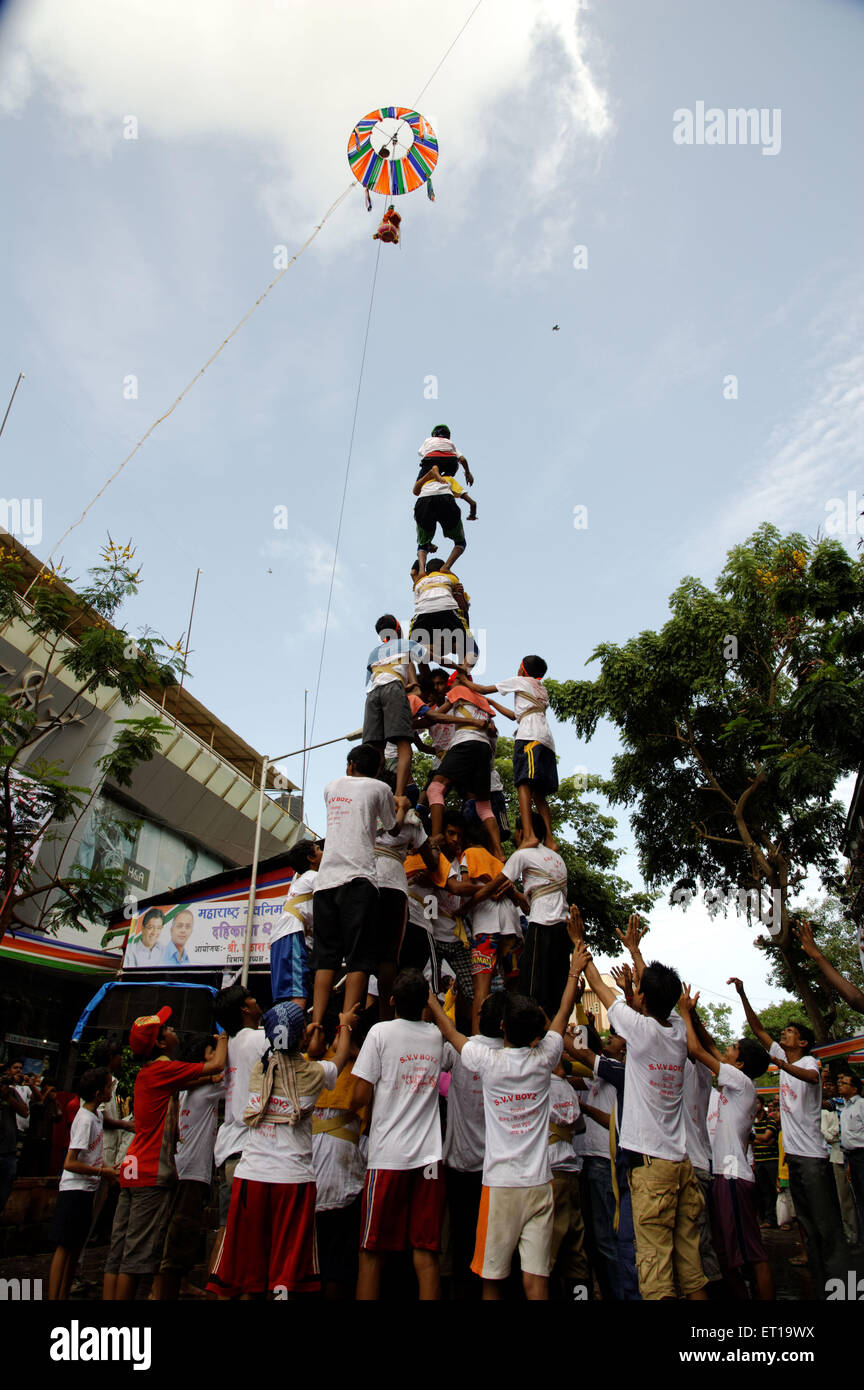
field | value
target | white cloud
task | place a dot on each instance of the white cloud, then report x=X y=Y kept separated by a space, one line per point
x=290 y=79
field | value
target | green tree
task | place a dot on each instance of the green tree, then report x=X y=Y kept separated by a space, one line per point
x=737 y=719
x=73 y=642
x=585 y=837
x=718 y=1020
x=835 y=936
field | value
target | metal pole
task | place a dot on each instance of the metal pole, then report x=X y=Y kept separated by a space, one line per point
x=253 y=882
x=343 y=738
x=11 y=399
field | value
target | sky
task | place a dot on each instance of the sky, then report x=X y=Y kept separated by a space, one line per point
x=706 y=374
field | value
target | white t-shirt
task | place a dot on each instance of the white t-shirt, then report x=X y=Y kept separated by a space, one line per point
x=711 y=1114
x=538 y=868
x=438 y=445
x=600 y=1095
x=244 y=1050
x=565 y=1111
x=463 y=709
x=299 y=917
x=391 y=851
x=23 y=1121
x=516 y=1105
x=402 y=1060
x=527 y=692
x=465 y=1140
x=434 y=593
x=448 y=487
x=698 y=1080
x=800 y=1108
x=283 y=1153
x=735 y=1114
x=391 y=661
x=86 y=1137
x=196 y=1132
x=340 y=1165
x=442 y=737
x=354 y=807
x=653 y=1121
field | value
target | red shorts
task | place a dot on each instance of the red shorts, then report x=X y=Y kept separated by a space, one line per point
x=269 y=1240
x=402 y=1209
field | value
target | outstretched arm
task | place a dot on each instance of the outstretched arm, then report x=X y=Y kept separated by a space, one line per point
x=686 y=1008
x=449 y=1031
x=631 y=939
x=845 y=988
x=752 y=1017
x=578 y=961
x=472 y=506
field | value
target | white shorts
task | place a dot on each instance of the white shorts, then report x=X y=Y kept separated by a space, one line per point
x=512 y=1217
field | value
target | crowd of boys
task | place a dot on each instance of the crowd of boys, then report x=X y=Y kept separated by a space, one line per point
x=417 y=1096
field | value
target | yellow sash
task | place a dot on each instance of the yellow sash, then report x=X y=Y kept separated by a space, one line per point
x=292 y=904
x=336 y=1127
x=561 y=1134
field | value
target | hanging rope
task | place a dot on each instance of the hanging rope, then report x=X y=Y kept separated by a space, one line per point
x=342 y=503
x=197 y=377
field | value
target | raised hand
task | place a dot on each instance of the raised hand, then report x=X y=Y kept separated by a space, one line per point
x=580 y=958
x=687 y=1003
x=804 y=933
x=739 y=984
x=575 y=925
x=633 y=934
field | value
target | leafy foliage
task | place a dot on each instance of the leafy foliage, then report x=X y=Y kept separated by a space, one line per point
x=737 y=719
x=78 y=650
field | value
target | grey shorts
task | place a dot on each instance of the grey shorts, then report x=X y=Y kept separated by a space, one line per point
x=138 y=1233
x=388 y=714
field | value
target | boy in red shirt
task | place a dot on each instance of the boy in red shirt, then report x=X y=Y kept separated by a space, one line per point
x=148 y=1175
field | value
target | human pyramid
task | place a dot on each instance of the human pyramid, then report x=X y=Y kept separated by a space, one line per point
x=352 y=1130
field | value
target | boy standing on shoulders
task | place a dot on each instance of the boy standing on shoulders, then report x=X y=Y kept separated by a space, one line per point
x=403 y=1200
x=667 y=1199
x=546 y=950
x=387 y=717
x=535 y=770
x=517 y=1207
x=345 y=905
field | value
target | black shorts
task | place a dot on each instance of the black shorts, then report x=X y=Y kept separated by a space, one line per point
x=337 y=1235
x=545 y=964
x=416 y=947
x=469 y=767
x=445 y=633
x=392 y=916
x=387 y=716
x=535 y=764
x=345 y=927
x=438 y=510
x=72 y=1217
x=447 y=465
